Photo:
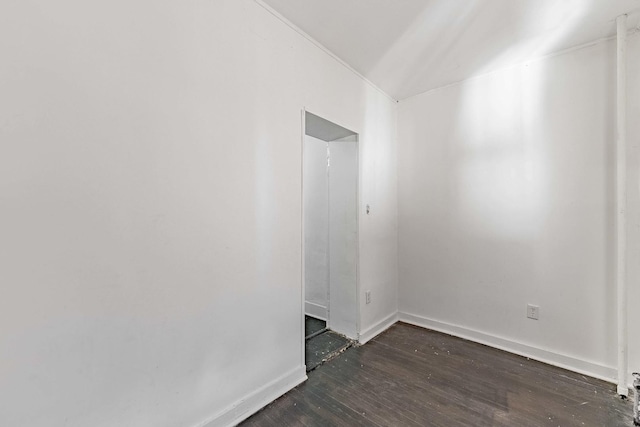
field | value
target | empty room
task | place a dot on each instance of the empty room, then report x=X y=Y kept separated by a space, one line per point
x=319 y=213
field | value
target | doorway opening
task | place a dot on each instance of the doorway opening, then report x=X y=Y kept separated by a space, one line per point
x=330 y=242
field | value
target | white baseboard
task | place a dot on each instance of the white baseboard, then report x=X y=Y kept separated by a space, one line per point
x=315 y=310
x=623 y=391
x=378 y=328
x=570 y=363
x=256 y=400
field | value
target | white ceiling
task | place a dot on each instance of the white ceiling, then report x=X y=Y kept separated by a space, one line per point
x=410 y=46
x=325 y=130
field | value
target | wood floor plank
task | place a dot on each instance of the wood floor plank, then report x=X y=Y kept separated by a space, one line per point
x=409 y=376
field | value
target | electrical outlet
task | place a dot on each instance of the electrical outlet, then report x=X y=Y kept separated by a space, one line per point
x=533 y=312
x=367 y=297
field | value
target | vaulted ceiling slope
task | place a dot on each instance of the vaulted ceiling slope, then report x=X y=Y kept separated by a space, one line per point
x=411 y=46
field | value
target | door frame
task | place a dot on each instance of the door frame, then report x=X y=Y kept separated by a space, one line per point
x=302 y=243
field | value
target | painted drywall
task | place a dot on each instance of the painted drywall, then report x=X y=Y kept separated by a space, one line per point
x=633 y=204
x=331 y=232
x=316 y=226
x=507 y=198
x=150 y=208
x=343 y=236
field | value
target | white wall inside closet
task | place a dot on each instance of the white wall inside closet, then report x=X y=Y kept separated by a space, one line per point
x=316 y=220
x=330 y=190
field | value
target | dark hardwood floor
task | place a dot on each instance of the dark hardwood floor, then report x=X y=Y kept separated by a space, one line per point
x=410 y=376
x=313 y=326
x=321 y=344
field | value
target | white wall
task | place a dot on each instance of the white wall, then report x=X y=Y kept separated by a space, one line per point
x=507 y=193
x=316 y=226
x=150 y=208
x=633 y=204
x=343 y=236
x=331 y=232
